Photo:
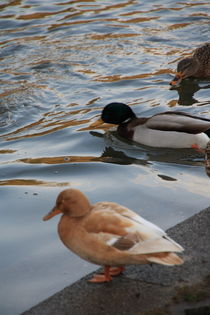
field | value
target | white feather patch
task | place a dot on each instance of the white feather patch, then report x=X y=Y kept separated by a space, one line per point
x=169 y=139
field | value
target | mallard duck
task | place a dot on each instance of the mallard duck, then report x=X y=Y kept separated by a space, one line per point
x=197 y=66
x=168 y=129
x=110 y=235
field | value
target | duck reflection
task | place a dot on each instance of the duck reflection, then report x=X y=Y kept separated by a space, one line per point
x=186 y=91
x=119 y=157
x=123 y=152
x=120 y=151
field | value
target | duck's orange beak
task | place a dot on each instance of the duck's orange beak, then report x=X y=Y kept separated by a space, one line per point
x=177 y=79
x=51 y=214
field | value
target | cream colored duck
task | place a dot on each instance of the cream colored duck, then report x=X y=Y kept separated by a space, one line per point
x=110 y=235
x=165 y=130
x=197 y=66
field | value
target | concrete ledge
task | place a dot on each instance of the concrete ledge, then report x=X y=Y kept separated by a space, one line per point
x=147 y=289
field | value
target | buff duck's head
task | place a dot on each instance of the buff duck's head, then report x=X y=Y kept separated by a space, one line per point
x=186 y=68
x=117 y=113
x=70 y=202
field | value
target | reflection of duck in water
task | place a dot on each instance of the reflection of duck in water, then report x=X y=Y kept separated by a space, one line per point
x=197 y=66
x=111 y=235
x=187 y=90
x=167 y=129
x=120 y=157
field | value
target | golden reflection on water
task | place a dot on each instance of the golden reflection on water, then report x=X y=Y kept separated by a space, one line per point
x=10 y=3
x=31 y=182
x=110 y=36
x=7 y=151
x=199 y=14
x=138 y=20
x=119 y=77
x=33 y=16
x=177 y=25
x=24 y=86
x=64 y=159
x=25 y=39
x=99 y=9
x=61 y=125
x=55 y=121
x=86 y=21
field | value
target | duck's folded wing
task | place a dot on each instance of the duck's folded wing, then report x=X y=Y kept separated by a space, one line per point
x=125 y=233
x=126 y=213
x=107 y=221
x=109 y=228
x=203 y=54
x=178 y=121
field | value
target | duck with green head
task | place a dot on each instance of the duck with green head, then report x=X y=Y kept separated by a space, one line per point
x=197 y=66
x=165 y=130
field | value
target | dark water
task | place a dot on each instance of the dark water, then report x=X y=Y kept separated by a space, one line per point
x=60 y=63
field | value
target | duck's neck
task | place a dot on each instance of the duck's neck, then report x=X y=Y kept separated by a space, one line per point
x=127 y=120
x=196 y=68
x=81 y=209
x=124 y=131
x=127 y=129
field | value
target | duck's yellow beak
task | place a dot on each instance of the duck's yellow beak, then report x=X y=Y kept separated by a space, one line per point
x=100 y=123
x=97 y=123
x=51 y=214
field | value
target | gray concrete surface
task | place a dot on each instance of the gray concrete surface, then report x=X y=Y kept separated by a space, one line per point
x=147 y=289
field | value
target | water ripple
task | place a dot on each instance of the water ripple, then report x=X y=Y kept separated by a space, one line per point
x=61 y=62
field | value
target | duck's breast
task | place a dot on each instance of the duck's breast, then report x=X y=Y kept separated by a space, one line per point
x=93 y=247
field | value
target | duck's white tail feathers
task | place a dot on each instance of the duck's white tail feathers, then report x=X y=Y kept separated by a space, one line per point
x=162 y=244
x=169 y=259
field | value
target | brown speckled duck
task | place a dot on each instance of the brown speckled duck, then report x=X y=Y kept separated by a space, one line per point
x=197 y=66
x=110 y=235
x=207 y=159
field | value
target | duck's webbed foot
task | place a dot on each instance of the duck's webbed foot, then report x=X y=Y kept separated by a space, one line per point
x=106 y=276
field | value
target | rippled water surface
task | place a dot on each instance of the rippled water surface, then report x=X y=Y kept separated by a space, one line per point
x=60 y=63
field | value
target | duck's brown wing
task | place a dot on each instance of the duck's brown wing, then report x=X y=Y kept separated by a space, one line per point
x=203 y=54
x=178 y=121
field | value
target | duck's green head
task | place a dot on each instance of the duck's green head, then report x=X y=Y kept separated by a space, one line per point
x=116 y=113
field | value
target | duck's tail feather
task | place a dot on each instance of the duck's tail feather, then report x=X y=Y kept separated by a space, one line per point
x=169 y=259
x=162 y=244
x=207 y=132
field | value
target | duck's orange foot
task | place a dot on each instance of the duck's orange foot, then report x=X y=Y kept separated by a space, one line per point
x=115 y=271
x=106 y=276
x=100 y=278
x=197 y=148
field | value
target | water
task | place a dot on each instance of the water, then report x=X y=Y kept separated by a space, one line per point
x=61 y=63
